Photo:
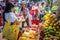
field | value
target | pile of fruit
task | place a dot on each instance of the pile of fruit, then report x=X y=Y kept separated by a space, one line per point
x=27 y=35
x=51 y=26
x=30 y=34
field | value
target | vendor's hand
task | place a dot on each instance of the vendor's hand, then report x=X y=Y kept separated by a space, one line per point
x=23 y=20
x=41 y=24
x=23 y=29
x=19 y=19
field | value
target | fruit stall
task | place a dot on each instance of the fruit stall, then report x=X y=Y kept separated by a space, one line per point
x=31 y=32
x=13 y=32
x=51 y=27
x=48 y=30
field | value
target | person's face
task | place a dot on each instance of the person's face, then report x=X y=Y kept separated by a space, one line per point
x=21 y=14
x=35 y=4
x=24 y=5
x=16 y=4
x=10 y=0
x=12 y=10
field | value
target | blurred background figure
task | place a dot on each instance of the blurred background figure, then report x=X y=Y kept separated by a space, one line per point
x=1 y=18
x=42 y=7
x=16 y=8
x=31 y=3
x=34 y=12
x=25 y=12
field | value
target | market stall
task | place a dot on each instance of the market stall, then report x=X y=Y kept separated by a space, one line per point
x=51 y=27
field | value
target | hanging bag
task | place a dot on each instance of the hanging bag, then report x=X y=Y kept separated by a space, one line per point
x=11 y=31
x=6 y=28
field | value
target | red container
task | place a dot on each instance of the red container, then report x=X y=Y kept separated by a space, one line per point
x=1 y=21
x=36 y=21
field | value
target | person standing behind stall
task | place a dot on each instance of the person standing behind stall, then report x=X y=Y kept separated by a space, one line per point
x=34 y=12
x=24 y=10
x=16 y=8
x=31 y=3
x=42 y=7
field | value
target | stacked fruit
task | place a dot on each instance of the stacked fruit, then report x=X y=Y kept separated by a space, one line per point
x=51 y=25
x=30 y=33
x=50 y=20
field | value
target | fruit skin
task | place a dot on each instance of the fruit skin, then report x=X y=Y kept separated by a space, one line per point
x=51 y=26
x=31 y=36
x=22 y=38
x=24 y=35
x=51 y=21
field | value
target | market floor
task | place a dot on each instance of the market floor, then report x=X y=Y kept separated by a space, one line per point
x=1 y=37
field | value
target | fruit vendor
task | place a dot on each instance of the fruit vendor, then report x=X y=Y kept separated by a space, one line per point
x=24 y=10
x=34 y=12
x=42 y=7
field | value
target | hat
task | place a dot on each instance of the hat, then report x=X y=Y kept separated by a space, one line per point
x=23 y=2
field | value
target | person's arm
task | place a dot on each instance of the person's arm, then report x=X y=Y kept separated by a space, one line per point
x=15 y=19
x=17 y=22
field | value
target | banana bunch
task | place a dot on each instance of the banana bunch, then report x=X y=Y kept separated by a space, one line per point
x=47 y=16
x=22 y=38
x=51 y=20
x=51 y=26
x=48 y=32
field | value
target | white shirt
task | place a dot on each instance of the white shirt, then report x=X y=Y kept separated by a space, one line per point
x=12 y=16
